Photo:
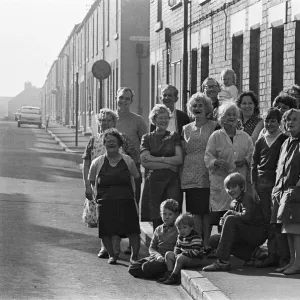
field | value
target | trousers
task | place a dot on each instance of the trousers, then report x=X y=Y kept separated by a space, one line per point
x=147 y=267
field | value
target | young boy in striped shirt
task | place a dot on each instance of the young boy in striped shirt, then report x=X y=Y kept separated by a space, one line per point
x=188 y=251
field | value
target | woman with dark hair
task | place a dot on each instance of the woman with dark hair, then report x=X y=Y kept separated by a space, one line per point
x=251 y=122
x=112 y=177
x=284 y=102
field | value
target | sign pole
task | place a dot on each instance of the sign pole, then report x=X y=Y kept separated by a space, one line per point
x=76 y=110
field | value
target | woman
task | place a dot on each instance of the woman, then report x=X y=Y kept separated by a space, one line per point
x=251 y=122
x=287 y=189
x=161 y=155
x=112 y=176
x=228 y=150
x=95 y=147
x=194 y=176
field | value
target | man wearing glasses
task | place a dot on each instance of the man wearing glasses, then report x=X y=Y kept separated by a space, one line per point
x=211 y=88
x=169 y=96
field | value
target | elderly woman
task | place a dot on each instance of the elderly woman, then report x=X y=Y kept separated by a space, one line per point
x=95 y=147
x=194 y=176
x=287 y=189
x=211 y=88
x=251 y=122
x=161 y=155
x=112 y=177
x=228 y=150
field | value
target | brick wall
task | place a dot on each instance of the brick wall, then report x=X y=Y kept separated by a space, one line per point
x=224 y=24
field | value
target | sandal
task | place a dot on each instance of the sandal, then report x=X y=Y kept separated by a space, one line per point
x=112 y=260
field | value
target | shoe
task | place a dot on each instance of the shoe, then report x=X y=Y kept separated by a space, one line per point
x=127 y=251
x=217 y=266
x=270 y=261
x=103 y=253
x=164 y=277
x=291 y=271
x=282 y=269
x=112 y=260
x=172 y=279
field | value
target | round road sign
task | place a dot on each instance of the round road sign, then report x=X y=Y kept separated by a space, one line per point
x=101 y=69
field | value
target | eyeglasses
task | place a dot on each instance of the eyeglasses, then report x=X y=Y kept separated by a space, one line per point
x=209 y=87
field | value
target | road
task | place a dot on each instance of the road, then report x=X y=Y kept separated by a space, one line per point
x=45 y=250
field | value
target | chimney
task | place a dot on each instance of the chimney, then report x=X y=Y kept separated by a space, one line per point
x=27 y=85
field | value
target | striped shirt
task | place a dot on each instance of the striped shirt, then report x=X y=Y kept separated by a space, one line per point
x=190 y=246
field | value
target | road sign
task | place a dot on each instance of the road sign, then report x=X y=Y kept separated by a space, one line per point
x=139 y=38
x=101 y=69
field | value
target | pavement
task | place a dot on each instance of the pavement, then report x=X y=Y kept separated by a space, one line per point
x=247 y=283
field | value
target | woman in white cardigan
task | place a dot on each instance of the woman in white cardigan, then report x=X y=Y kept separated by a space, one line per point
x=228 y=150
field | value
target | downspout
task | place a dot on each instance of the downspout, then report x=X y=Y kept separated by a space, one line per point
x=185 y=55
x=84 y=79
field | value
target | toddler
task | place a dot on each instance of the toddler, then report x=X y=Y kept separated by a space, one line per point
x=243 y=226
x=163 y=240
x=228 y=88
x=188 y=251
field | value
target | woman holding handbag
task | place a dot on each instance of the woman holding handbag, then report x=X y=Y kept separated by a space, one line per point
x=106 y=119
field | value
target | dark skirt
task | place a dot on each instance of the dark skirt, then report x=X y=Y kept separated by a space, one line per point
x=197 y=200
x=117 y=217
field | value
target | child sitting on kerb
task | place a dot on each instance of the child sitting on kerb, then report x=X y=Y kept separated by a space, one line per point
x=228 y=88
x=188 y=251
x=163 y=240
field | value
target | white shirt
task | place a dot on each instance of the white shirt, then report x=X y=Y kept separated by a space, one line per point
x=172 y=123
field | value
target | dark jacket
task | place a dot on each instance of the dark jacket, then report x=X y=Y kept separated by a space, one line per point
x=182 y=119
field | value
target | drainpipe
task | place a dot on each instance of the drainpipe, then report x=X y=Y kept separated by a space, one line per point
x=185 y=54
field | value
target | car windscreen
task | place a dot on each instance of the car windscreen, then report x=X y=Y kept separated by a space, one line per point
x=30 y=111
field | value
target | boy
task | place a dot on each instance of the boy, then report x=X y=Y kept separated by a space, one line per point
x=188 y=251
x=163 y=240
x=244 y=227
x=263 y=175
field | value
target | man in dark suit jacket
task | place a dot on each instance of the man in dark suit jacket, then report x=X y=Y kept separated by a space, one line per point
x=169 y=96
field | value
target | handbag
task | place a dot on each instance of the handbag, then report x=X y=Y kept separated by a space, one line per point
x=89 y=215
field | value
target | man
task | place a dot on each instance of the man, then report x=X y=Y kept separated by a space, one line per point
x=169 y=97
x=211 y=88
x=133 y=125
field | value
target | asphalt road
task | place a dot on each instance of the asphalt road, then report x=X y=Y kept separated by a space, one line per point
x=45 y=250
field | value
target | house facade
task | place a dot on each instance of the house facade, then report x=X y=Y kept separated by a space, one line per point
x=191 y=40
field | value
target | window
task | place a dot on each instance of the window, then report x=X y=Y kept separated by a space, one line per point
x=194 y=62
x=176 y=81
x=237 y=60
x=93 y=44
x=97 y=33
x=297 y=54
x=277 y=61
x=175 y=3
x=254 y=60
x=204 y=63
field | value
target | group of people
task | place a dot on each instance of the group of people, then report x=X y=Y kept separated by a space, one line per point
x=237 y=171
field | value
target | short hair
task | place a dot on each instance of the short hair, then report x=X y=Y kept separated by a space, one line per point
x=226 y=71
x=235 y=179
x=253 y=97
x=291 y=90
x=170 y=87
x=206 y=101
x=156 y=110
x=224 y=107
x=171 y=205
x=113 y=132
x=287 y=114
x=205 y=81
x=126 y=89
x=106 y=111
x=185 y=219
x=273 y=113
x=285 y=99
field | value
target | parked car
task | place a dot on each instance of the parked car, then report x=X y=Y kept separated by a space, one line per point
x=17 y=115
x=30 y=115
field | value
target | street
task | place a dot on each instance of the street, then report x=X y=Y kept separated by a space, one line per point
x=46 y=251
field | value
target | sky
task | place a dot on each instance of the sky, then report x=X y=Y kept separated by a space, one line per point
x=32 y=33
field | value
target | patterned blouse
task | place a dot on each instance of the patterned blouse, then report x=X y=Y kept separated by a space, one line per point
x=95 y=147
x=194 y=139
x=250 y=125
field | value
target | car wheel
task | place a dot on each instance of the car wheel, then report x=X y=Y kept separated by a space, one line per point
x=19 y=124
